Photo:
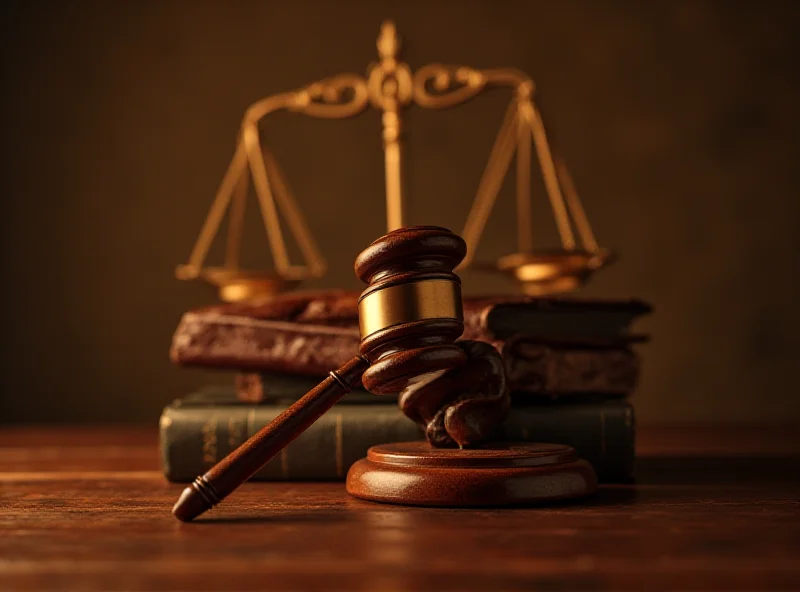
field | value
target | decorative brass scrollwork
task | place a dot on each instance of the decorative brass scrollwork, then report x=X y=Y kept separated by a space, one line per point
x=339 y=97
x=437 y=86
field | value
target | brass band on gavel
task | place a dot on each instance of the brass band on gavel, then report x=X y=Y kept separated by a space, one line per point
x=408 y=302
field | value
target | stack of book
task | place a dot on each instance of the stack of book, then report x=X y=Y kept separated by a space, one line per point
x=571 y=366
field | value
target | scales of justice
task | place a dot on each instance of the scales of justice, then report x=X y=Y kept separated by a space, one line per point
x=390 y=86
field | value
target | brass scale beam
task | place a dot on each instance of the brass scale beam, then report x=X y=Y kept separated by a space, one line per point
x=390 y=86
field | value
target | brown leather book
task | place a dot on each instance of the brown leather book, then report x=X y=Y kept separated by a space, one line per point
x=246 y=343
x=485 y=317
x=580 y=347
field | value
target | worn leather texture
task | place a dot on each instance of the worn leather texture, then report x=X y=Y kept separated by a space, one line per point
x=311 y=332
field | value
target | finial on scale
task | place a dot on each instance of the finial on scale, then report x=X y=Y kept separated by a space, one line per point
x=388 y=42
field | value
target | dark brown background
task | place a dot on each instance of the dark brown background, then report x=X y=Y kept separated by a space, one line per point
x=678 y=119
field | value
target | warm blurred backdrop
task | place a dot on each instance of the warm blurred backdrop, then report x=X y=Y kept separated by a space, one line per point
x=678 y=118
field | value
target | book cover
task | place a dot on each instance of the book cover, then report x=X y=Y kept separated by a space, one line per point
x=314 y=332
x=198 y=431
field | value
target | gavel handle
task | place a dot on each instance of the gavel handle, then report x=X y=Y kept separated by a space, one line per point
x=208 y=490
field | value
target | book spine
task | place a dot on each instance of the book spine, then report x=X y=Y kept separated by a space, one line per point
x=546 y=370
x=193 y=439
x=207 y=339
x=250 y=345
x=602 y=434
x=203 y=339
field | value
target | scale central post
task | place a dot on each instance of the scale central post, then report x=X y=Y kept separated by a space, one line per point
x=390 y=88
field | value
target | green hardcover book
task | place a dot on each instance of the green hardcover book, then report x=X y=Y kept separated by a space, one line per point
x=602 y=432
x=199 y=430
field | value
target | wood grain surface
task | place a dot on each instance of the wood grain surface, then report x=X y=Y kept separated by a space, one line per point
x=87 y=509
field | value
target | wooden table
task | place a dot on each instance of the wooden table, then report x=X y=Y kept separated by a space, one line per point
x=87 y=509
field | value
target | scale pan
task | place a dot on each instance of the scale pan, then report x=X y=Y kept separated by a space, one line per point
x=541 y=273
x=242 y=285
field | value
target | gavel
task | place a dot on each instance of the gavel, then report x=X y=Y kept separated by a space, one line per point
x=410 y=315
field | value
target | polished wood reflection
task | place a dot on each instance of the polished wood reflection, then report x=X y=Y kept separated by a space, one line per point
x=88 y=509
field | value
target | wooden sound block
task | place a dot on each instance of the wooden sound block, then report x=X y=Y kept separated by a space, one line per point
x=415 y=473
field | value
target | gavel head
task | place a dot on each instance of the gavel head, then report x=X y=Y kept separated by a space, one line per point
x=410 y=314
